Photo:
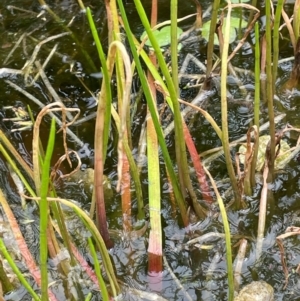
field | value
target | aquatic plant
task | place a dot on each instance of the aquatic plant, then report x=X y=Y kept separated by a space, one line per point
x=48 y=202
x=186 y=185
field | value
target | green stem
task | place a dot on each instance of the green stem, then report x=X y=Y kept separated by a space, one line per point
x=89 y=224
x=174 y=45
x=106 y=78
x=276 y=40
x=17 y=170
x=227 y=238
x=225 y=136
x=256 y=103
x=6 y=285
x=101 y=136
x=16 y=270
x=210 y=45
x=270 y=92
x=44 y=213
x=101 y=282
x=253 y=3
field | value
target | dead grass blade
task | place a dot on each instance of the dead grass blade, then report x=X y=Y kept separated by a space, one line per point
x=290 y=231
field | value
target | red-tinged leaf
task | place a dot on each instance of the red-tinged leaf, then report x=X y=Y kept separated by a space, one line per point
x=201 y=176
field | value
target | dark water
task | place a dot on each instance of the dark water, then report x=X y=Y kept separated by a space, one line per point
x=202 y=272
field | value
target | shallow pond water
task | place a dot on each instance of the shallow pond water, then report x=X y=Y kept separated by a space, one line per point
x=202 y=272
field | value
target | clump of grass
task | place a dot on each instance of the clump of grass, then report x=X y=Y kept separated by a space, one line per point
x=158 y=79
x=44 y=194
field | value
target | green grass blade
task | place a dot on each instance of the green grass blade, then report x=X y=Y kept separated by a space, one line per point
x=100 y=245
x=227 y=237
x=106 y=78
x=15 y=154
x=154 y=191
x=257 y=77
x=5 y=280
x=44 y=212
x=16 y=270
x=88 y=297
x=270 y=92
x=174 y=45
x=210 y=45
x=136 y=180
x=155 y=237
x=276 y=40
x=17 y=170
x=225 y=135
x=256 y=102
x=102 y=285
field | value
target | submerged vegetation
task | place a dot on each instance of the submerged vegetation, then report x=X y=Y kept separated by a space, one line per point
x=112 y=165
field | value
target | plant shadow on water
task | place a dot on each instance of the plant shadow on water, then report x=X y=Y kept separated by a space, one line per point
x=192 y=270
